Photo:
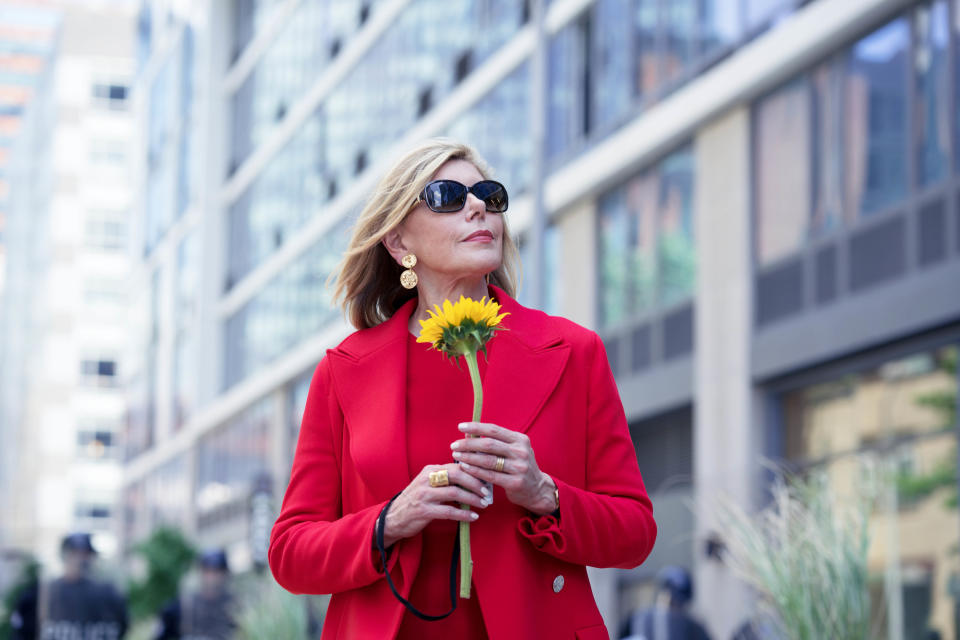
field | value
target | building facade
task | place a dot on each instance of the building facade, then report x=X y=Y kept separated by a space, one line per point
x=66 y=304
x=754 y=203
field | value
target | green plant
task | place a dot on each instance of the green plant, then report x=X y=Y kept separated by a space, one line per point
x=29 y=575
x=168 y=556
x=806 y=556
x=266 y=610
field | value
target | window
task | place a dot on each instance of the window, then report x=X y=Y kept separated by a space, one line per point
x=93 y=511
x=229 y=459
x=932 y=109
x=111 y=96
x=108 y=153
x=901 y=417
x=96 y=445
x=99 y=373
x=782 y=171
x=105 y=230
x=611 y=92
x=647 y=252
x=567 y=109
x=108 y=292
x=876 y=120
x=831 y=147
x=289 y=308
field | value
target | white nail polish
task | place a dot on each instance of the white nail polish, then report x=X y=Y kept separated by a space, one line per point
x=474 y=516
x=484 y=491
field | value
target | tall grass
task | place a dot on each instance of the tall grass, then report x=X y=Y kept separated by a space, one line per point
x=805 y=554
x=266 y=610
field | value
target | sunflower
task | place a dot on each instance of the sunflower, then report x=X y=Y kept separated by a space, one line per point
x=461 y=328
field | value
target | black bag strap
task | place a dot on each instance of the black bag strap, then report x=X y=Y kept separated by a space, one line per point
x=381 y=523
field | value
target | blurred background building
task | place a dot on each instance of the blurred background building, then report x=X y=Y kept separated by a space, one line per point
x=64 y=307
x=756 y=204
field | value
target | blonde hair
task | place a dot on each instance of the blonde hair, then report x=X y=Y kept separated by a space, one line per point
x=368 y=278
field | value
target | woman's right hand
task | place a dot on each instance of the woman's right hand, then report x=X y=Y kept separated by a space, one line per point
x=420 y=503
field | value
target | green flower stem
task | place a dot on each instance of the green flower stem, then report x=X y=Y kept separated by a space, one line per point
x=466 y=560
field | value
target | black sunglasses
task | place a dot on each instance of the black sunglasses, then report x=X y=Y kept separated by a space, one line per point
x=447 y=196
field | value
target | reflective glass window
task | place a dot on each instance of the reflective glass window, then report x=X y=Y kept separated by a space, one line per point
x=676 y=251
x=281 y=198
x=299 y=389
x=826 y=82
x=761 y=12
x=782 y=171
x=290 y=308
x=249 y=17
x=932 y=108
x=376 y=104
x=720 y=25
x=185 y=356
x=187 y=164
x=498 y=126
x=875 y=92
x=900 y=417
x=229 y=459
x=284 y=73
x=611 y=92
x=566 y=65
x=956 y=85
x=647 y=73
x=553 y=280
x=647 y=253
x=679 y=37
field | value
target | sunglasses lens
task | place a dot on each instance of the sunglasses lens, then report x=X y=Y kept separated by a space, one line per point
x=493 y=194
x=445 y=196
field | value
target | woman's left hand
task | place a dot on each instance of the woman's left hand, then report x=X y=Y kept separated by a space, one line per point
x=520 y=477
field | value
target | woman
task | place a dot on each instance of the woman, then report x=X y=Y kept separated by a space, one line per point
x=384 y=415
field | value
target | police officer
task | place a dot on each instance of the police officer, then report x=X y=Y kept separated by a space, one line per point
x=74 y=606
x=669 y=618
x=208 y=613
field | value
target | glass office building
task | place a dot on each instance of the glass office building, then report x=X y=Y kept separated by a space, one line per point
x=755 y=203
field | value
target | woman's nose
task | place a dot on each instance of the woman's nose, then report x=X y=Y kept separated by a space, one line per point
x=475 y=206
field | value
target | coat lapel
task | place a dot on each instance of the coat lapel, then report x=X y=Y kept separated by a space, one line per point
x=370 y=369
x=526 y=362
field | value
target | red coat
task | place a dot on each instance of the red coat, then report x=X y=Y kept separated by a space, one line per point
x=547 y=377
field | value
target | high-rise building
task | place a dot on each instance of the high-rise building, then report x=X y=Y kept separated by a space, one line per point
x=755 y=203
x=65 y=307
x=26 y=38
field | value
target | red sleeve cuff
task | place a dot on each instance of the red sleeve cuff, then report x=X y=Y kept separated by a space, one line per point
x=543 y=532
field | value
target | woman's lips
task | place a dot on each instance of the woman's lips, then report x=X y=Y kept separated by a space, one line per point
x=479 y=236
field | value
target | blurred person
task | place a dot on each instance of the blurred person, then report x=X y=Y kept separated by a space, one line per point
x=208 y=612
x=74 y=605
x=376 y=462
x=668 y=618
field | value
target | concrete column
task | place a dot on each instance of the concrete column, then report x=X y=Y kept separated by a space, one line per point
x=725 y=407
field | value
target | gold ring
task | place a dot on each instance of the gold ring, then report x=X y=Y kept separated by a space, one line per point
x=439 y=478
x=500 y=462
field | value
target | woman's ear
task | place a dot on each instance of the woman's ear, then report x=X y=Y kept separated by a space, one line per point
x=393 y=243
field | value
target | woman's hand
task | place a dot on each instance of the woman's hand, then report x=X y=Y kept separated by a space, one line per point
x=420 y=503
x=520 y=477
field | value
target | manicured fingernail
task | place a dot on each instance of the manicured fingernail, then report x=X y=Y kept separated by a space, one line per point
x=485 y=491
x=465 y=465
x=474 y=516
x=463 y=426
x=457 y=455
x=455 y=445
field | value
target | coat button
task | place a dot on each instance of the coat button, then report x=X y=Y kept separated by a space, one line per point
x=557 y=584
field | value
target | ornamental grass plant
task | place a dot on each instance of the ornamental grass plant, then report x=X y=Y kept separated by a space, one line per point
x=805 y=555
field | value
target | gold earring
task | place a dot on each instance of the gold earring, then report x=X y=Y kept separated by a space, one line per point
x=408 y=279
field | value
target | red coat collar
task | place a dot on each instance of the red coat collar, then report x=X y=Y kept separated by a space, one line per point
x=369 y=370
